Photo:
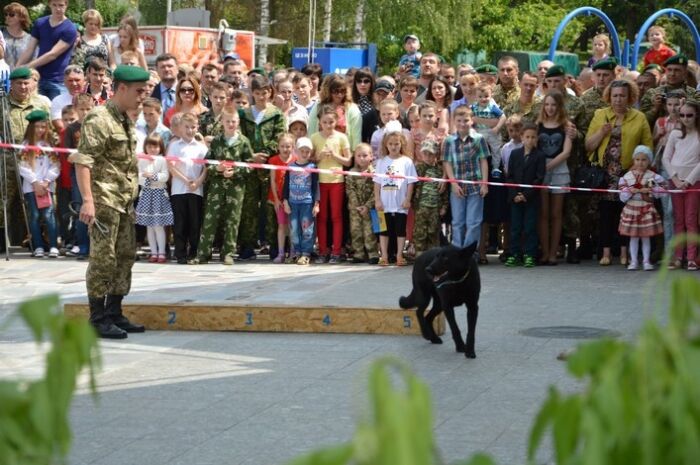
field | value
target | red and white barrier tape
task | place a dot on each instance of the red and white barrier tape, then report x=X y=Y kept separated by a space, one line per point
x=265 y=166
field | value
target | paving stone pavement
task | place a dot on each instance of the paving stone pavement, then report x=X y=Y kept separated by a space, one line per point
x=200 y=398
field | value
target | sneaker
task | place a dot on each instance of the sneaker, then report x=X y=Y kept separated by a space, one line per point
x=53 y=252
x=529 y=262
x=514 y=261
x=373 y=261
x=304 y=260
x=247 y=254
x=228 y=260
x=633 y=266
x=73 y=252
x=39 y=252
x=648 y=266
x=278 y=259
x=692 y=266
x=290 y=260
x=321 y=259
x=334 y=260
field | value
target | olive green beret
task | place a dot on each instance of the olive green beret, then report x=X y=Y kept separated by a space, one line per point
x=259 y=71
x=653 y=67
x=20 y=73
x=486 y=69
x=679 y=59
x=609 y=64
x=125 y=73
x=37 y=115
x=554 y=71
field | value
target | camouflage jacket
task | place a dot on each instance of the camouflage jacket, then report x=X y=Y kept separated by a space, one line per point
x=526 y=112
x=18 y=111
x=108 y=147
x=263 y=136
x=646 y=105
x=506 y=97
x=427 y=194
x=240 y=150
x=360 y=189
x=210 y=125
x=592 y=100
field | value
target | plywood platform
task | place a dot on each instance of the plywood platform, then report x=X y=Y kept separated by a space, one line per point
x=208 y=317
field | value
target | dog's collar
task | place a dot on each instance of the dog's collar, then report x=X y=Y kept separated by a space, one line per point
x=466 y=275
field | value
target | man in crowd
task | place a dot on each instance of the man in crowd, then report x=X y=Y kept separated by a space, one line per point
x=74 y=82
x=96 y=72
x=210 y=76
x=652 y=104
x=507 y=91
x=166 y=67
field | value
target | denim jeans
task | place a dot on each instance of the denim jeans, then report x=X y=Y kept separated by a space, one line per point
x=301 y=222
x=523 y=222
x=34 y=227
x=82 y=238
x=51 y=89
x=467 y=215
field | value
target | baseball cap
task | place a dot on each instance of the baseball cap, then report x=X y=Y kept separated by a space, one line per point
x=304 y=142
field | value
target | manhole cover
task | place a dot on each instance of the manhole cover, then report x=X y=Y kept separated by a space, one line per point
x=569 y=332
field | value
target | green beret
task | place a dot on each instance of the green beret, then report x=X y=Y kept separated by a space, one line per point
x=679 y=59
x=20 y=73
x=259 y=71
x=609 y=64
x=37 y=115
x=486 y=69
x=653 y=67
x=126 y=73
x=554 y=71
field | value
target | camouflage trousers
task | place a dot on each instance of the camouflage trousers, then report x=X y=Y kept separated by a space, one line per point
x=223 y=208
x=17 y=230
x=361 y=235
x=426 y=229
x=112 y=253
x=254 y=205
x=580 y=215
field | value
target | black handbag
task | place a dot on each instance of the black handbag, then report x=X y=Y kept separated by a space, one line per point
x=591 y=177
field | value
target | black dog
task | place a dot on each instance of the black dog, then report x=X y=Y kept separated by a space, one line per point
x=450 y=277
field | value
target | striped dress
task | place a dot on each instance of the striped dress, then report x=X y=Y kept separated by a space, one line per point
x=639 y=217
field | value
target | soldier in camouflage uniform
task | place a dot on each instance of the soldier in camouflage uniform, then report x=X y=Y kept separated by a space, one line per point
x=525 y=105
x=430 y=200
x=225 y=189
x=263 y=137
x=209 y=123
x=653 y=102
x=592 y=99
x=21 y=102
x=360 y=192
x=507 y=92
x=107 y=175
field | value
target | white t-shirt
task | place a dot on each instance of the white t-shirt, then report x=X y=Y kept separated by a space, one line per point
x=187 y=152
x=393 y=191
x=59 y=103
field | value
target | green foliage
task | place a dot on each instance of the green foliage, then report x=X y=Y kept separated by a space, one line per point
x=34 y=427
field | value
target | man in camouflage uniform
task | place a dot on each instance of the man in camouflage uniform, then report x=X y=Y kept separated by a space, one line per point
x=507 y=92
x=21 y=102
x=225 y=189
x=526 y=104
x=592 y=99
x=653 y=102
x=360 y=192
x=107 y=175
x=430 y=199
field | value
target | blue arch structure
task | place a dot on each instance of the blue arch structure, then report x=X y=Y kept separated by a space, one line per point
x=586 y=10
x=671 y=12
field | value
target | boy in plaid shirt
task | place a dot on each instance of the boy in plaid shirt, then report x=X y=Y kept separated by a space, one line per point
x=464 y=158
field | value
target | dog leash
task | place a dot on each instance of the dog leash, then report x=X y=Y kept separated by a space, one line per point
x=454 y=282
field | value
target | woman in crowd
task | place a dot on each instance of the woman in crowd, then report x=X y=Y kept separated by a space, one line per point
x=187 y=99
x=334 y=92
x=93 y=42
x=14 y=31
x=362 y=89
x=127 y=41
x=612 y=136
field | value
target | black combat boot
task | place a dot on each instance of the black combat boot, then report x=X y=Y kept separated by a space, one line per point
x=114 y=310
x=571 y=254
x=101 y=321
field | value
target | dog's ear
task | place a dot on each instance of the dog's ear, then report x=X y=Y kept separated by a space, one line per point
x=468 y=251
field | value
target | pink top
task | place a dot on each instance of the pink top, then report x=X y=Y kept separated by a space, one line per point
x=682 y=156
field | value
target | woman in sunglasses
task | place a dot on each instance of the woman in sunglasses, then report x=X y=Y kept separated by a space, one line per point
x=187 y=99
x=362 y=89
x=334 y=92
x=682 y=163
x=15 y=32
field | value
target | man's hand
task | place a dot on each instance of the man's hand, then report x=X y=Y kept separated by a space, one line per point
x=87 y=212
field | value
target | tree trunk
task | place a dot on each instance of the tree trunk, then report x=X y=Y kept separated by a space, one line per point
x=264 y=30
x=359 y=35
x=327 y=16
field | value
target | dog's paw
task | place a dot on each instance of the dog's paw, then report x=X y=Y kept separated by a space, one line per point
x=470 y=354
x=459 y=348
x=435 y=340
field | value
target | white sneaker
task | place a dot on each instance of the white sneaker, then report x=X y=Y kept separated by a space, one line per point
x=39 y=252
x=648 y=266
x=74 y=251
x=633 y=266
x=53 y=252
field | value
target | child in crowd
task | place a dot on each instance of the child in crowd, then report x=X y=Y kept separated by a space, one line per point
x=464 y=158
x=659 y=51
x=430 y=199
x=210 y=121
x=285 y=102
x=467 y=88
x=389 y=111
x=331 y=151
x=186 y=188
x=360 y=190
x=130 y=58
x=240 y=99
x=151 y=124
x=285 y=144
x=302 y=91
x=639 y=219
x=301 y=202
x=154 y=210
x=682 y=163
x=427 y=111
x=393 y=196
x=39 y=169
x=225 y=189
x=526 y=165
x=297 y=125
x=175 y=128
x=554 y=142
x=489 y=119
x=408 y=90
x=413 y=120
x=514 y=126
x=68 y=115
x=601 y=49
x=409 y=63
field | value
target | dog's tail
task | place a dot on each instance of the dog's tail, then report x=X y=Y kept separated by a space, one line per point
x=408 y=302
